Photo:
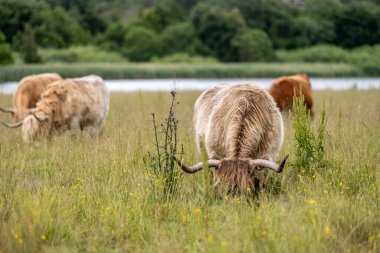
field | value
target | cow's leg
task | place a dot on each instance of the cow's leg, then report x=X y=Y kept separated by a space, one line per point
x=74 y=126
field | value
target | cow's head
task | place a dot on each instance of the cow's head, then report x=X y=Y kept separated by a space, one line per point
x=237 y=175
x=33 y=127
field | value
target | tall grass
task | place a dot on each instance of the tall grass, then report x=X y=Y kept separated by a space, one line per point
x=93 y=195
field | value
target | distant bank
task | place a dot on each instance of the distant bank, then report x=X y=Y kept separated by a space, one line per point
x=181 y=70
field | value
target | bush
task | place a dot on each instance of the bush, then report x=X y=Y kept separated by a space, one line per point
x=368 y=58
x=319 y=53
x=253 y=45
x=310 y=146
x=80 y=54
x=141 y=44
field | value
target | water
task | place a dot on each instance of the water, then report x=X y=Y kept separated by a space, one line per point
x=135 y=85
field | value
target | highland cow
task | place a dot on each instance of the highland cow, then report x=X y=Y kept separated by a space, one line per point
x=242 y=131
x=286 y=87
x=68 y=106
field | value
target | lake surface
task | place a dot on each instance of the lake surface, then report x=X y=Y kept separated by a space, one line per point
x=135 y=85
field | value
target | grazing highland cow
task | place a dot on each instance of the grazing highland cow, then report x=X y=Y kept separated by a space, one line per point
x=68 y=106
x=242 y=131
x=28 y=93
x=282 y=91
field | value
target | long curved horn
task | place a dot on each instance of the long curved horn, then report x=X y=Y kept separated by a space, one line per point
x=9 y=110
x=17 y=124
x=270 y=165
x=196 y=167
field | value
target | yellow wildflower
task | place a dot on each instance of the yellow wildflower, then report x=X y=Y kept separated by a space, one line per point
x=327 y=230
x=43 y=238
x=311 y=202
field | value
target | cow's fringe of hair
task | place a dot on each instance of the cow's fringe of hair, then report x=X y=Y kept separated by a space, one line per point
x=32 y=129
x=234 y=177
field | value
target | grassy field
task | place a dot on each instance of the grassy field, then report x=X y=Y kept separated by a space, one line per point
x=181 y=70
x=80 y=194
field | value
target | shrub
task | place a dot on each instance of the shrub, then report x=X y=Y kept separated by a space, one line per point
x=160 y=163
x=141 y=44
x=319 y=53
x=253 y=45
x=310 y=145
x=80 y=54
x=368 y=58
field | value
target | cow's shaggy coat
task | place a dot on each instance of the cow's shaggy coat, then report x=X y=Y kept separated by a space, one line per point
x=28 y=93
x=68 y=106
x=242 y=130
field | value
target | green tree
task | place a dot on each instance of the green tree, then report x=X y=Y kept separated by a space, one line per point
x=141 y=44
x=15 y=14
x=29 y=48
x=55 y=28
x=253 y=45
x=113 y=37
x=180 y=38
x=161 y=15
x=358 y=25
x=216 y=28
x=6 y=56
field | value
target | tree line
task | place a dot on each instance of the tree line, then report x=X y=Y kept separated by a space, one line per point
x=228 y=30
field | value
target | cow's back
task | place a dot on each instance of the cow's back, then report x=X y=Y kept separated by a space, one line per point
x=29 y=90
x=285 y=88
x=242 y=121
x=94 y=91
x=203 y=107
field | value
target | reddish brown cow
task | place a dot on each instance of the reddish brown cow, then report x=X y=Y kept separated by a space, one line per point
x=282 y=90
x=28 y=94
